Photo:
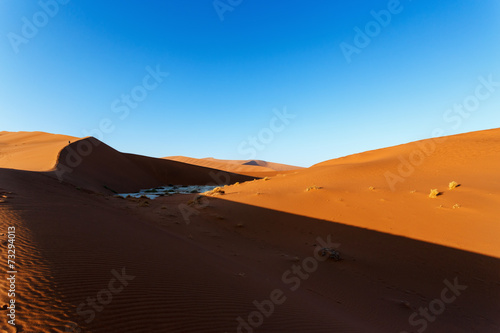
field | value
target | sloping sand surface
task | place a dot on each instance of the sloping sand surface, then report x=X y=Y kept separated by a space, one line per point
x=33 y=151
x=93 y=165
x=387 y=190
x=90 y=164
x=202 y=275
x=186 y=263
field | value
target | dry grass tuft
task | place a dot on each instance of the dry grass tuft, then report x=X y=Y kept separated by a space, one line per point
x=455 y=206
x=453 y=184
x=434 y=193
x=312 y=188
x=144 y=204
x=215 y=191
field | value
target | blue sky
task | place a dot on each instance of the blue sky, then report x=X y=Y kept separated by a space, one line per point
x=68 y=66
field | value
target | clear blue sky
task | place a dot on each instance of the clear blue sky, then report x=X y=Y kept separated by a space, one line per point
x=69 y=69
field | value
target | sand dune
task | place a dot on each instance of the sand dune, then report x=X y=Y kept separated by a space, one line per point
x=202 y=276
x=33 y=151
x=387 y=190
x=94 y=165
x=256 y=168
x=189 y=264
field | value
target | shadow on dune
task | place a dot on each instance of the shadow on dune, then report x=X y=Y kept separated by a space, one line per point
x=202 y=276
x=93 y=165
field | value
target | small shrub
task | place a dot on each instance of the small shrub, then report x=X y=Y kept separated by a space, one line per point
x=331 y=253
x=216 y=191
x=455 y=206
x=266 y=178
x=371 y=188
x=453 y=184
x=144 y=204
x=434 y=193
x=312 y=188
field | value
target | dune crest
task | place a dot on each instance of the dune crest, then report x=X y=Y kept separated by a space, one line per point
x=388 y=190
x=31 y=151
x=255 y=168
x=91 y=164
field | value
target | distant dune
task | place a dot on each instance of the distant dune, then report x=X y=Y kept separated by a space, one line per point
x=255 y=168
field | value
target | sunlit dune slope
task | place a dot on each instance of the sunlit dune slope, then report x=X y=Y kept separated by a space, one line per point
x=32 y=151
x=388 y=190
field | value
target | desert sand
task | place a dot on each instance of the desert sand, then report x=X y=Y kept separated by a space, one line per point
x=249 y=259
x=253 y=168
x=31 y=151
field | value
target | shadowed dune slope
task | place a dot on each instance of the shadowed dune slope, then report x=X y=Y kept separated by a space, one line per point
x=233 y=251
x=93 y=165
x=202 y=276
x=33 y=151
x=388 y=190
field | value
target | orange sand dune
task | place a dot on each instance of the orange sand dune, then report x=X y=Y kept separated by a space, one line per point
x=93 y=165
x=33 y=151
x=213 y=271
x=249 y=260
x=382 y=190
x=254 y=168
